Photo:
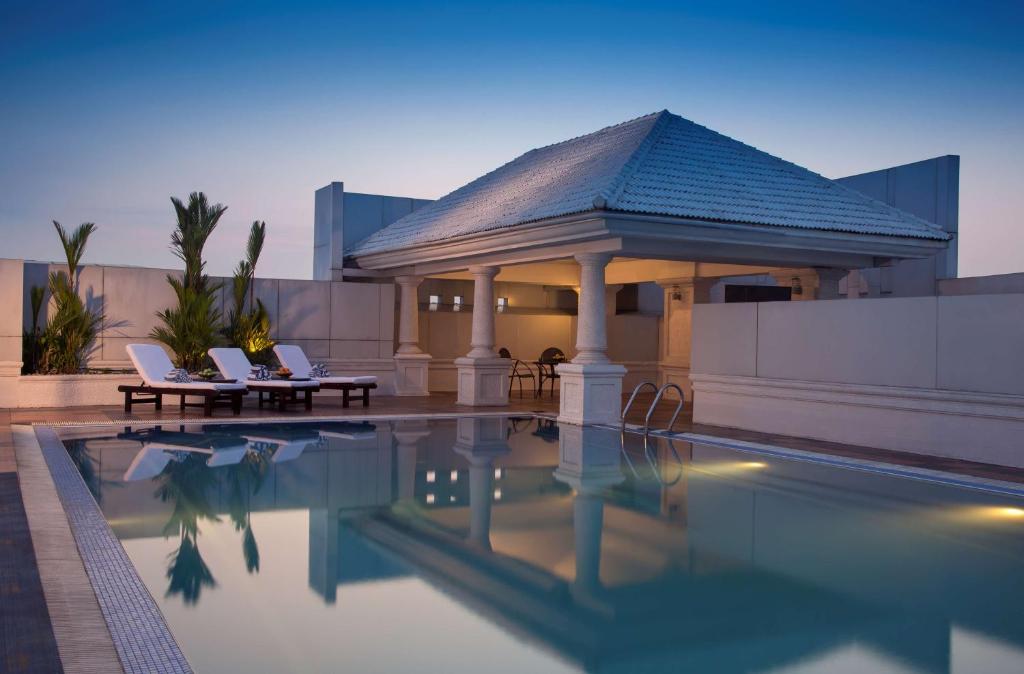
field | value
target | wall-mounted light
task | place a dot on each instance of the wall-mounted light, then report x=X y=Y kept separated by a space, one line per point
x=497 y=494
x=457 y=303
x=797 y=287
x=502 y=303
x=497 y=473
x=431 y=476
x=454 y=476
x=677 y=296
x=435 y=302
x=430 y=498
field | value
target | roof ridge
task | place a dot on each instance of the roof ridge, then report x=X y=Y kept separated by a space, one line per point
x=594 y=133
x=610 y=194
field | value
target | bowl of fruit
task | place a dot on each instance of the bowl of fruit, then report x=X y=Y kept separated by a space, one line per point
x=283 y=373
x=207 y=374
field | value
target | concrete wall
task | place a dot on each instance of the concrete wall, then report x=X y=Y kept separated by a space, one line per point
x=935 y=375
x=997 y=284
x=330 y=320
x=343 y=218
x=929 y=189
x=11 y=292
x=351 y=326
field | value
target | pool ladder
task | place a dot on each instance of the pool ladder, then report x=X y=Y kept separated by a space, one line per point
x=659 y=392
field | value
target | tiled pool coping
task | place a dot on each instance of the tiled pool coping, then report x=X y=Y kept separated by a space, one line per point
x=136 y=626
x=140 y=635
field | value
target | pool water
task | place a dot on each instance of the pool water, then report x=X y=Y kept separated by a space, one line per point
x=502 y=544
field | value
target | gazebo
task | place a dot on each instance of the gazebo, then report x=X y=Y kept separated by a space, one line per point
x=658 y=198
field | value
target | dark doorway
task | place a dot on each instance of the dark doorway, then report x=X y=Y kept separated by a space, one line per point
x=740 y=293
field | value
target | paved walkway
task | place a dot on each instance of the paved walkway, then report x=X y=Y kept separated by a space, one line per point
x=27 y=643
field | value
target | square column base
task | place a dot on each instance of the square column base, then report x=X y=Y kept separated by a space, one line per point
x=590 y=394
x=483 y=381
x=411 y=374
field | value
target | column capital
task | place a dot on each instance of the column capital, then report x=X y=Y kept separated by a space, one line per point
x=593 y=259
x=484 y=270
x=408 y=280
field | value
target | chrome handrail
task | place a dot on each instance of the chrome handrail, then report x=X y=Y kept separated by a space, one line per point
x=657 y=399
x=632 y=397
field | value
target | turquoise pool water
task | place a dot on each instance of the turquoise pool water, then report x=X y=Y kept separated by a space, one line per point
x=515 y=545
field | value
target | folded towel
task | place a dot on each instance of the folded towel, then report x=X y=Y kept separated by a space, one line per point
x=178 y=376
x=319 y=371
x=259 y=373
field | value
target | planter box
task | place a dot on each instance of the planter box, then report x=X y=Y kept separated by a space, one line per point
x=80 y=390
x=63 y=390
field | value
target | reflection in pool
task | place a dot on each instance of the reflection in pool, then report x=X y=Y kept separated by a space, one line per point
x=515 y=545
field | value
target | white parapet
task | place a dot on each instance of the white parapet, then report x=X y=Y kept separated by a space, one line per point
x=979 y=427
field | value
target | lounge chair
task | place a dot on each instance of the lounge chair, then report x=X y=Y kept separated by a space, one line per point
x=152 y=364
x=293 y=358
x=233 y=364
x=288 y=443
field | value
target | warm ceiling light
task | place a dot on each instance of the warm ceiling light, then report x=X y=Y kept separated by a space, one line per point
x=431 y=476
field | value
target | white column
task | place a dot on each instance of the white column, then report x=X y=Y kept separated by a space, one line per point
x=681 y=294
x=590 y=385
x=482 y=341
x=409 y=318
x=592 y=320
x=411 y=364
x=483 y=376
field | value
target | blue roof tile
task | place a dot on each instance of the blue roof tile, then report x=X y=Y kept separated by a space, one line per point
x=659 y=164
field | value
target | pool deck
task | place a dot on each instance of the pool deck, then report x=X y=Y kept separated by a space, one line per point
x=27 y=638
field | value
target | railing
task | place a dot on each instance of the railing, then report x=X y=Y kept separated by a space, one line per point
x=659 y=392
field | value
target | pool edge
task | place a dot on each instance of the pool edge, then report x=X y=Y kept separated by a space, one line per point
x=132 y=621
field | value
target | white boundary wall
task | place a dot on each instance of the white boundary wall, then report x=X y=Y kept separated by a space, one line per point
x=350 y=326
x=932 y=375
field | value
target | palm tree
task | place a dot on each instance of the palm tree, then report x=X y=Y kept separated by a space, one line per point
x=191 y=328
x=67 y=338
x=250 y=331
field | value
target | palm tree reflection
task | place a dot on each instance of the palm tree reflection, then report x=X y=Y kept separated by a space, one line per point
x=186 y=481
x=246 y=478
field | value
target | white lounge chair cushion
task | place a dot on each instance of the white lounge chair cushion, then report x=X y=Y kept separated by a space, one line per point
x=349 y=380
x=294 y=358
x=227 y=457
x=148 y=463
x=152 y=364
x=233 y=364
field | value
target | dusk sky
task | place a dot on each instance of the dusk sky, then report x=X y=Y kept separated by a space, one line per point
x=106 y=112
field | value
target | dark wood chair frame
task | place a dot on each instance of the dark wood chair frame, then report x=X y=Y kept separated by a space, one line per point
x=142 y=394
x=284 y=396
x=346 y=389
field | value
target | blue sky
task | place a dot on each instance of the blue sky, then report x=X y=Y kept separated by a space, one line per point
x=107 y=111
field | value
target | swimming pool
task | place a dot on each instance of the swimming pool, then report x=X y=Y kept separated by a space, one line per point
x=513 y=544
